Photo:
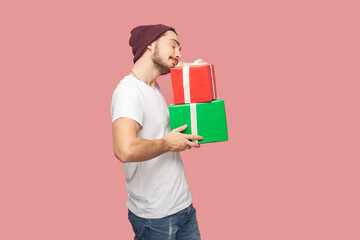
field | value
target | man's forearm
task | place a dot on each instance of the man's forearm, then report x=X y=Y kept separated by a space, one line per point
x=139 y=150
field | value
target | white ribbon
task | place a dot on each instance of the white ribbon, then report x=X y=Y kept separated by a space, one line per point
x=193 y=118
x=186 y=83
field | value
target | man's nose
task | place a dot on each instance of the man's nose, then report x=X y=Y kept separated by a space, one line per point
x=178 y=55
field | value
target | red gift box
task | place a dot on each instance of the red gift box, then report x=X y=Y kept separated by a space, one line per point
x=193 y=83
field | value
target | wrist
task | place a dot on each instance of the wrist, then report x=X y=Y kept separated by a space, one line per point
x=165 y=145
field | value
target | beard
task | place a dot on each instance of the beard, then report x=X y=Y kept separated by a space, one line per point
x=159 y=63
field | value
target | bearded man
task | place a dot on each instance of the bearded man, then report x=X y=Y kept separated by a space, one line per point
x=159 y=199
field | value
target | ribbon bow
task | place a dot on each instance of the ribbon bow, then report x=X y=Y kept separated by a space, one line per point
x=196 y=62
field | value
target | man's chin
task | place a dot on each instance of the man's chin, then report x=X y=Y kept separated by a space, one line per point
x=163 y=68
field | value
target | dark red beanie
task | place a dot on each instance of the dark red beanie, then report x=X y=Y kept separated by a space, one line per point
x=142 y=36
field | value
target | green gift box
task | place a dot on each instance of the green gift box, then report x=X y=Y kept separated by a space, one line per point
x=205 y=119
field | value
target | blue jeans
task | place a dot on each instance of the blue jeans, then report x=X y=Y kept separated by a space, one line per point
x=179 y=226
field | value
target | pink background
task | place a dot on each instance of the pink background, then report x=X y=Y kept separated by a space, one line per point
x=287 y=70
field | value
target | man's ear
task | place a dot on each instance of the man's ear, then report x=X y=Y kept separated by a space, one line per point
x=151 y=46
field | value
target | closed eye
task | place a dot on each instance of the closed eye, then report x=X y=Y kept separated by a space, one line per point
x=175 y=43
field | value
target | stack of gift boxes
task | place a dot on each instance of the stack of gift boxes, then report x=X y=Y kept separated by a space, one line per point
x=196 y=103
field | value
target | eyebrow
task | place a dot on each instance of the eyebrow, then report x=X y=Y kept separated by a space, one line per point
x=176 y=42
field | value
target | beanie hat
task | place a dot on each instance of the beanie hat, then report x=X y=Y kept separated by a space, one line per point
x=144 y=35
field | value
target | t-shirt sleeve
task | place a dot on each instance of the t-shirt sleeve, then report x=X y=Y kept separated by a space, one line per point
x=126 y=102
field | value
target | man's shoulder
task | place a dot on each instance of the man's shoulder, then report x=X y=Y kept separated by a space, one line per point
x=128 y=81
x=127 y=84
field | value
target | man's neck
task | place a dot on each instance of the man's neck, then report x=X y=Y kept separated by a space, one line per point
x=145 y=72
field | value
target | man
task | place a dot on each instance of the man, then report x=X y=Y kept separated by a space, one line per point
x=159 y=198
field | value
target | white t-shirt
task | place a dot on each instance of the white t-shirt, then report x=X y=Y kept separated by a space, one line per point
x=157 y=187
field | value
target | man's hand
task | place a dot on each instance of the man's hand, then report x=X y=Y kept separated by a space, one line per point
x=177 y=141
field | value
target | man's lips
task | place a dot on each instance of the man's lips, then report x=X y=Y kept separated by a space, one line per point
x=174 y=61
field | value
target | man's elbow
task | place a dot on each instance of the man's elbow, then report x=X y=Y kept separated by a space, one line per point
x=123 y=155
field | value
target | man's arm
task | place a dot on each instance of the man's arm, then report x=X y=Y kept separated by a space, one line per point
x=128 y=147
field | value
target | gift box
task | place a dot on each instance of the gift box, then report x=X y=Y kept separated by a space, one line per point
x=205 y=119
x=193 y=82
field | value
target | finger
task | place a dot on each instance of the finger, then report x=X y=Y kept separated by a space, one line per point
x=187 y=146
x=196 y=145
x=194 y=137
x=181 y=128
x=192 y=144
